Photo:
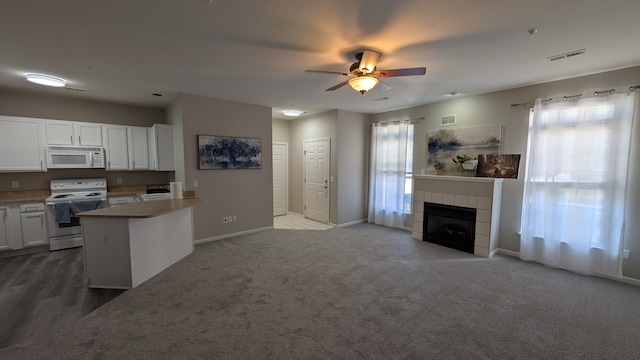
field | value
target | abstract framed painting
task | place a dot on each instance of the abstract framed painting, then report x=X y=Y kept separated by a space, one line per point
x=444 y=145
x=226 y=152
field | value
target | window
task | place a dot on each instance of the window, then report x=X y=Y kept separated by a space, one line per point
x=408 y=185
x=575 y=183
x=391 y=168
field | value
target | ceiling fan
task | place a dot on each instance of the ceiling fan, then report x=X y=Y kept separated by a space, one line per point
x=363 y=73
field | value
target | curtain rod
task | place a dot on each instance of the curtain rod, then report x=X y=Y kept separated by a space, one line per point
x=632 y=88
x=414 y=121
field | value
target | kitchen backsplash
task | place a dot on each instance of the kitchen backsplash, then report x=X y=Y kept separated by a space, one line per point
x=40 y=180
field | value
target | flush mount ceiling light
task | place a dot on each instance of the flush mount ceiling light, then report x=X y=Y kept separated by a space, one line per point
x=292 y=112
x=362 y=84
x=44 y=79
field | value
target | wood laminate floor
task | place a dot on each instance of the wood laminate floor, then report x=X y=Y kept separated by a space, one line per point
x=42 y=292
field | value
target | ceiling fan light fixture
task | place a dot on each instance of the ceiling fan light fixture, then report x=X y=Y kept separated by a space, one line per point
x=46 y=80
x=292 y=112
x=362 y=84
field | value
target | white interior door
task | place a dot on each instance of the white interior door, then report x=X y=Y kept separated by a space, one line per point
x=316 y=179
x=280 y=186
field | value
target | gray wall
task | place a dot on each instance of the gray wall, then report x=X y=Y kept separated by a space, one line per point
x=281 y=130
x=494 y=108
x=246 y=194
x=353 y=159
x=47 y=106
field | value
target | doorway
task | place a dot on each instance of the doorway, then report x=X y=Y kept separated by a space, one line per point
x=316 y=179
x=280 y=176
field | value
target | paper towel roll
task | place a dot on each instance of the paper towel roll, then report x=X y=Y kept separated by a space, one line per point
x=176 y=190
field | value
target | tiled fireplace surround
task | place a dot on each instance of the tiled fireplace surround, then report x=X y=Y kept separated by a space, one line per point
x=482 y=194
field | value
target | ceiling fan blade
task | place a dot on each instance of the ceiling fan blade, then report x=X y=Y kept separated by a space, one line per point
x=369 y=61
x=335 y=87
x=382 y=86
x=327 y=72
x=400 y=72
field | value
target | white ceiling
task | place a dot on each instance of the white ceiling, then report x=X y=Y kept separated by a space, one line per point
x=256 y=51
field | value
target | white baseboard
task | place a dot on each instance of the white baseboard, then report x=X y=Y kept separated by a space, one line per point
x=226 y=236
x=352 y=223
x=508 y=252
x=631 y=281
x=625 y=279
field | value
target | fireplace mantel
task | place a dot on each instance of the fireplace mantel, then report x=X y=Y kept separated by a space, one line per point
x=482 y=194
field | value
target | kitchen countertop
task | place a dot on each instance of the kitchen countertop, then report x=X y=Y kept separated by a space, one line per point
x=143 y=209
x=14 y=197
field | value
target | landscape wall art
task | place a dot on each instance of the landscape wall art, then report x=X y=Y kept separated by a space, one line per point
x=445 y=145
x=225 y=152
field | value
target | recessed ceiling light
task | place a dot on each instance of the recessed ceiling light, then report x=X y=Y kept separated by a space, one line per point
x=453 y=93
x=292 y=112
x=47 y=80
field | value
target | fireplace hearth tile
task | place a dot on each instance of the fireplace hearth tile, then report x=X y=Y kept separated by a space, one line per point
x=461 y=200
x=483 y=215
x=482 y=240
x=448 y=199
x=419 y=196
x=436 y=198
x=472 y=201
x=484 y=203
x=427 y=196
x=483 y=228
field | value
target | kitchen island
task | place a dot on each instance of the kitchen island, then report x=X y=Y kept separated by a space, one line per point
x=128 y=244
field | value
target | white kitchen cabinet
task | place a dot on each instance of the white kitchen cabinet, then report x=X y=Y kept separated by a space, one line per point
x=161 y=156
x=138 y=148
x=33 y=223
x=21 y=144
x=60 y=132
x=4 y=226
x=114 y=138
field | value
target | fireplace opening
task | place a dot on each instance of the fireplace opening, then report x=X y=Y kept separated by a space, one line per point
x=450 y=226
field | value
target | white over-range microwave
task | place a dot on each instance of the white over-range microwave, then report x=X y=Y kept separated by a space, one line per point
x=68 y=157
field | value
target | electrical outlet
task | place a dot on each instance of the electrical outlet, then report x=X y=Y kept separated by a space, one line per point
x=626 y=254
x=119 y=181
x=235 y=218
x=195 y=183
x=15 y=184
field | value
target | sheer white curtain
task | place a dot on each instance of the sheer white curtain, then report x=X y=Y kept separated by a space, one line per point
x=573 y=208
x=388 y=171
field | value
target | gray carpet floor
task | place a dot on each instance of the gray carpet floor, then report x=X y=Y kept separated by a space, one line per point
x=363 y=292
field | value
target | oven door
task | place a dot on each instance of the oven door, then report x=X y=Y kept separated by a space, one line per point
x=63 y=236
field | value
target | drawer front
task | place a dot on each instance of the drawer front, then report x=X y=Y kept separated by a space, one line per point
x=34 y=207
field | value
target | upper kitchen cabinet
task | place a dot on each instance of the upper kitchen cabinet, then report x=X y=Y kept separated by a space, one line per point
x=161 y=156
x=114 y=138
x=60 y=132
x=21 y=144
x=138 y=146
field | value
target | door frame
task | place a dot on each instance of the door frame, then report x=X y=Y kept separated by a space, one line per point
x=286 y=172
x=304 y=174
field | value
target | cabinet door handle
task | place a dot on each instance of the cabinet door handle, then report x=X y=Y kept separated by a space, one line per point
x=133 y=164
x=108 y=164
x=41 y=167
x=27 y=209
x=79 y=140
x=71 y=137
x=33 y=216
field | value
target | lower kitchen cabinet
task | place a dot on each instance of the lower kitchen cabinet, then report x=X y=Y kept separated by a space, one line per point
x=33 y=224
x=4 y=234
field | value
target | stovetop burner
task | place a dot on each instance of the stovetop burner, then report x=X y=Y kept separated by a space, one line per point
x=61 y=196
x=94 y=194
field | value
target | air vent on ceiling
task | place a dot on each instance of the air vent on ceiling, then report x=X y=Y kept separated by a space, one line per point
x=381 y=99
x=566 y=55
x=448 y=120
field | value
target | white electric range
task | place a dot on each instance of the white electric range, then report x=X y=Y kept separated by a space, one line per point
x=69 y=197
